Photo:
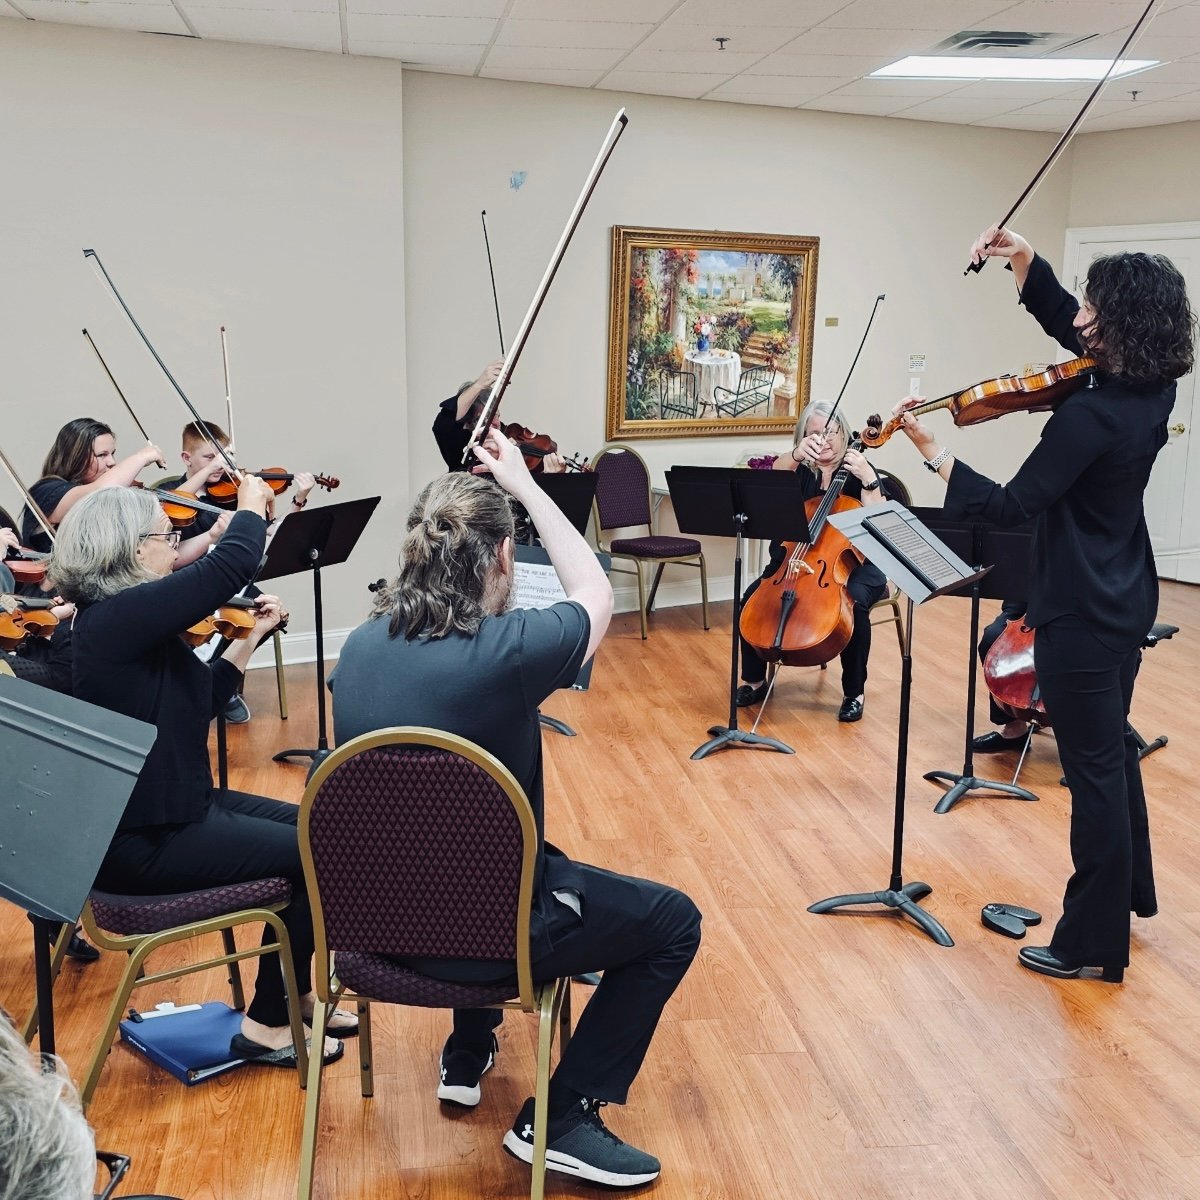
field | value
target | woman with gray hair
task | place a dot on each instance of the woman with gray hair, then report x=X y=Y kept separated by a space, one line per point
x=820 y=450
x=46 y=1148
x=114 y=557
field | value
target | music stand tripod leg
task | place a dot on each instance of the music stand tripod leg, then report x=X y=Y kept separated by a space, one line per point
x=557 y=725
x=322 y=751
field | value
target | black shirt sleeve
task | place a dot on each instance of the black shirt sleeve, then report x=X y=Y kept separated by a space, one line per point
x=47 y=495
x=1051 y=305
x=450 y=435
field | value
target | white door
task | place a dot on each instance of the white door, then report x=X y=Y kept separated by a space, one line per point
x=1173 y=495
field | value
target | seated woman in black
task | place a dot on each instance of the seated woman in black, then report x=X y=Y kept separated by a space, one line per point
x=819 y=451
x=114 y=557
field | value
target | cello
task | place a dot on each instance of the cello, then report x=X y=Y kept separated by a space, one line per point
x=803 y=615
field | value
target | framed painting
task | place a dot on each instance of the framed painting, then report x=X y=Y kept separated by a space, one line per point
x=709 y=332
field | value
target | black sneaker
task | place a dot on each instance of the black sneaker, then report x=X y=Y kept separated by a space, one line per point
x=237 y=711
x=461 y=1073
x=580 y=1144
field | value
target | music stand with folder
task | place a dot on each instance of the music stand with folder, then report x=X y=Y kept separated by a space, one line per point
x=923 y=568
x=573 y=492
x=1006 y=551
x=308 y=541
x=738 y=503
x=69 y=770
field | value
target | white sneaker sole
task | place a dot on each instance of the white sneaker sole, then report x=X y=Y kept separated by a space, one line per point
x=564 y=1163
x=466 y=1097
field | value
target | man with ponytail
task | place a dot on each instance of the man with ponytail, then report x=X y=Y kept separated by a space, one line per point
x=441 y=636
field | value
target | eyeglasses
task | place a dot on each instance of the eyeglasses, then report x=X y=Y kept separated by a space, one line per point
x=172 y=537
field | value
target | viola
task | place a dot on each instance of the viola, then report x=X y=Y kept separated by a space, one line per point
x=233 y=621
x=277 y=479
x=24 y=617
x=1009 y=672
x=803 y=615
x=1040 y=391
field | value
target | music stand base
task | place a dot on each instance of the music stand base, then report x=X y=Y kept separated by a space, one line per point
x=962 y=785
x=903 y=900
x=723 y=736
x=318 y=756
x=557 y=725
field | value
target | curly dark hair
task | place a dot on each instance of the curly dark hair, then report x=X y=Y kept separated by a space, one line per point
x=1144 y=330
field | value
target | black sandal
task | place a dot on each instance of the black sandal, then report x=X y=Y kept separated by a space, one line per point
x=241 y=1046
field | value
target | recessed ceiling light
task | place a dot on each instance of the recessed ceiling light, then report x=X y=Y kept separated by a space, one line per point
x=1065 y=70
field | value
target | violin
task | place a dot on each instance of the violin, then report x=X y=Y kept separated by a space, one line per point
x=803 y=615
x=233 y=621
x=1040 y=391
x=277 y=479
x=26 y=566
x=24 y=617
x=535 y=447
x=1009 y=672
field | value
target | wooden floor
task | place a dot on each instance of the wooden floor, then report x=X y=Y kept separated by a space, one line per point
x=839 y=1056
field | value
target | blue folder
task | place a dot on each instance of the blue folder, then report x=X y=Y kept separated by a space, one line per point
x=192 y=1041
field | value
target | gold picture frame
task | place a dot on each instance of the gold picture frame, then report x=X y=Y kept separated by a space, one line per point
x=710 y=332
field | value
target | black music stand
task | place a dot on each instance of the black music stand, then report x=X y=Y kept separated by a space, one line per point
x=923 y=568
x=69 y=770
x=738 y=503
x=1007 y=552
x=308 y=541
x=573 y=492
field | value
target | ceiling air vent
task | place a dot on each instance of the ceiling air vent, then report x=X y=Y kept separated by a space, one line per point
x=999 y=43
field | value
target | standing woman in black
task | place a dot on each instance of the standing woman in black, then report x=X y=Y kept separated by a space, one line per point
x=114 y=557
x=1093 y=590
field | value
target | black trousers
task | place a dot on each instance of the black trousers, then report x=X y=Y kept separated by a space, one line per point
x=866 y=585
x=242 y=837
x=1012 y=610
x=643 y=936
x=1087 y=689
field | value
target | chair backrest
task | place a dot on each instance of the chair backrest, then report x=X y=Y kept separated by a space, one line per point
x=677 y=392
x=417 y=842
x=892 y=487
x=622 y=488
x=753 y=379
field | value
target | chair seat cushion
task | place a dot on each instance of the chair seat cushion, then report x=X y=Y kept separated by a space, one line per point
x=128 y=915
x=656 y=547
x=383 y=978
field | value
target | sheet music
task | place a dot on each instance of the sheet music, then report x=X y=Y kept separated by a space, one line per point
x=931 y=567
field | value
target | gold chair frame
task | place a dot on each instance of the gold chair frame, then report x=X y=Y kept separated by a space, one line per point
x=551 y=1001
x=686 y=560
x=139 y=947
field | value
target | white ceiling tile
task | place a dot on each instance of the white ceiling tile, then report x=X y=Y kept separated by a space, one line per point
x=1065 y=110
x=422 y=56
x=1017 y=92
x=569 y=78
x=1185 y=71
x=146 y=18
x=915 y=88
x=1167 y=113
x=300 y=31
x=591 y=10
x=516 y=58
x=276 y=6
x=590 y=34
x=444 y=31
x=787 y=87
x=677 y=34
x=751 y=98
x=892 y=43
x=817 y=65
x=1067 y=16
x=880 y=106
x=1182 y=21
x=793 y=14
x=690 y=85
x=1015 y=121
x=953 y=108
x=929 y=14
x=438 y=8
x=727 y=62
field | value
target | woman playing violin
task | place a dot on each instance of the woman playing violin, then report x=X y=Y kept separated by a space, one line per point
x=1093 y=591
x=114 y=557
x=820 y=449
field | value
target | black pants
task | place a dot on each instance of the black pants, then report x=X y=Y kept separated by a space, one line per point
x=866 y=585
x=1012 y=610
x=643 y=936
x=1087 y=689
x=242 y=837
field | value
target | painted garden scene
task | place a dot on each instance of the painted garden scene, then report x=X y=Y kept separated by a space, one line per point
x=713 y=331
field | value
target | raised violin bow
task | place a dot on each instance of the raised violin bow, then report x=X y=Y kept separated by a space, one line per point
x=38 y=515
x=228 y=390
x=492 y=273
x=975 y=267
x=514 y=352
x=857 y=354
x=116 y=385
x=106 y=279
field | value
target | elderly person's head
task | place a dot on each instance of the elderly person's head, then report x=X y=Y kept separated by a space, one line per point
x=46 y=1148
x=111 y=540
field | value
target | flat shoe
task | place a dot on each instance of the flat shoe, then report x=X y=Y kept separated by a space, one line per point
x=241 y=1046
x=1041 y=960
x=851 y=710
x=337 y=1031
x=996 y=743
x=749 y=694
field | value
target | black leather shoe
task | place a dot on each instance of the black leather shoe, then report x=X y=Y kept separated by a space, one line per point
x=995 y=742
x=749 y=694
x=1041 y=960
x=77 y=948
x=851 y=710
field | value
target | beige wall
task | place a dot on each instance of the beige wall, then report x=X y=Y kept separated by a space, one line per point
x=1136 y=176
x=895 y=204
x=221 y=184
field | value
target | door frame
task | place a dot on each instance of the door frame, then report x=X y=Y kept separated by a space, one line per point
x=1162 y=231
